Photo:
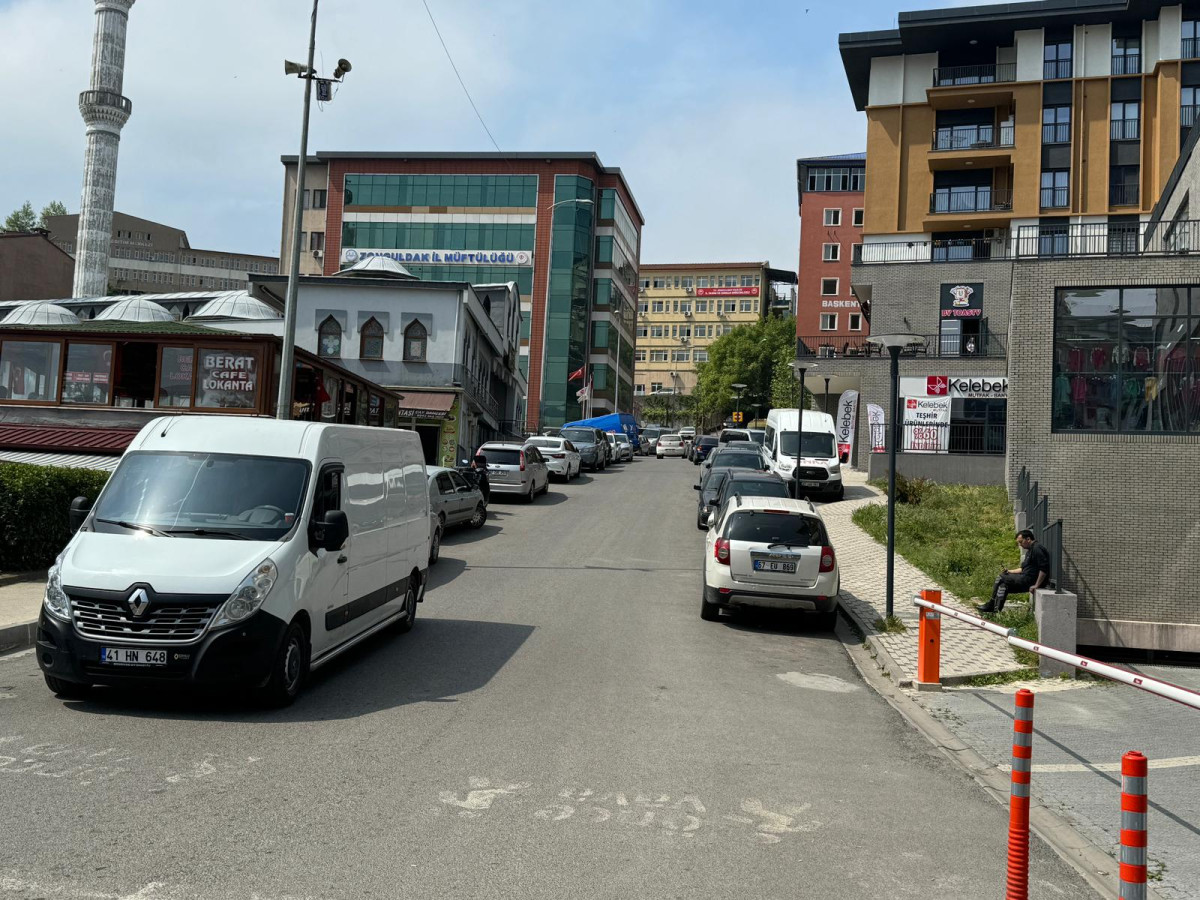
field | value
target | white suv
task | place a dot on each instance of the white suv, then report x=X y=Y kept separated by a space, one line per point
x=770 y=552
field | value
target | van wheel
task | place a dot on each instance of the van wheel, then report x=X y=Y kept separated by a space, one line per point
x=480 y=516
x=841 y=492
x=289 y=669
x=435 y=545
x=68 y=690
x=405 y=624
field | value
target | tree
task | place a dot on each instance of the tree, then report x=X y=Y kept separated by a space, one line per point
x=21 y=219
x=53 y=208
x=754 y=355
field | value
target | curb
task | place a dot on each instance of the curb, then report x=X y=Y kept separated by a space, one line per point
x=1093 y=863
x=18 y=637
x=18 y=577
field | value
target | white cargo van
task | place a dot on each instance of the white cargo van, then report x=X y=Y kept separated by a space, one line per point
x=805 y=457
x=239 y=551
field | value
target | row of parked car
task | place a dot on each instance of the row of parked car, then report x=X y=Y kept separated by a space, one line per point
x=765 y=544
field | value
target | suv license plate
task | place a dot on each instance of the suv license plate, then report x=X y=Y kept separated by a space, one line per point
x=128 y=656
x=771 y=565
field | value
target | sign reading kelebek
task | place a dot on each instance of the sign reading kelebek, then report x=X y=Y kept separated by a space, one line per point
x=974 y=387
x=352 y=255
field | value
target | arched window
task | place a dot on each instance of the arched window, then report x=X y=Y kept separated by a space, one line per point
x=370 y=340
x=329 y=338
x=415 y=342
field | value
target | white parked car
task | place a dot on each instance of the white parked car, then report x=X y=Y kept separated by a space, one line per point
x=516 y=469
x=622 y=447
x=562 y=459
x=770 y=552
x=669 y=445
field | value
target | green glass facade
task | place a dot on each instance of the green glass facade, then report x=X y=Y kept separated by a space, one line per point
x=441 y=190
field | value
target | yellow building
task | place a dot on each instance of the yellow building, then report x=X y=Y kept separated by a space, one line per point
x=992 y=129
x=683 y=308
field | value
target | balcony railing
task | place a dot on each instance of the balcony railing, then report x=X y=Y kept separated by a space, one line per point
x=106 y=98
x=830 y=346
x=1187 y=114
x=965 y=200
x=1054 y=198
x=1124 y=130
x=1056 y=133
x=973 y=137
x=940 y=250
x=1123 y=195
x=1056 y=68
x=944 y=76
x=1127 y=64
x=1109 y=239
x=1190 y=48
x=971 y=438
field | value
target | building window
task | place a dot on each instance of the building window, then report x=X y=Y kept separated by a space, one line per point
x=658 y=283
x=1122 y=358
x=1124 y=125
x=831 y=252
x=730 y=306
x=1126 y=56
x=833 y=217
x=858 y=218
x=655 y=387
x=316 y=240
x=370 y=340
x=318 y=199
x=1123 y=185
x=642 y=331
x=829 y=287
x=658 y=306
x=747 y=306
x=681 y=355
x=643 y=307
x=1056 y=125
x=701 y=306
x=639 y=390
x=829 y=321
x=1191 y=40
x=1055 y=185
x=658 y=356
x=836 y=179
x=415 y=342
x=687 y=282
x=856 y=321
x=700 y=356
x=329 y=338
x=657 y=331
x=1057 y=58
x=639 y=355
x=1189 y=99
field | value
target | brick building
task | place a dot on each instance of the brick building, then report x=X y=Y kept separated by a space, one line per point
x=563 y=226
x=32 y=267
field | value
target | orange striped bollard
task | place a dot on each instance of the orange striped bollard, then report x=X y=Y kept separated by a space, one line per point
x=1018 y=801
x=1133 y=826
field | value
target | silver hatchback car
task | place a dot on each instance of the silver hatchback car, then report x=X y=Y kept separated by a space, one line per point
x=516 y=469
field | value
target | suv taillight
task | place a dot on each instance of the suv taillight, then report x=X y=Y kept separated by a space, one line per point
x=522 y=460
x=828 y=560
x=721 y=551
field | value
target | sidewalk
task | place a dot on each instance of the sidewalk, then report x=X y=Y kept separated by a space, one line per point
x=20 y=602
x=966 y=651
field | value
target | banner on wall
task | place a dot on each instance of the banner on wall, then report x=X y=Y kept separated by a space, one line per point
x=926 y=424
x=878 y=428
x=847 y=415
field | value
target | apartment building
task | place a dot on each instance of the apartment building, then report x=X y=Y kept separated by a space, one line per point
x=830 y=191
x=152 y=258
x=562 y=226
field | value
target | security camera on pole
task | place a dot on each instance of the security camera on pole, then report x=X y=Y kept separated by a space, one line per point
x=283 y=403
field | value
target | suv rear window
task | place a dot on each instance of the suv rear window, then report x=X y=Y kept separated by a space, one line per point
x=496 y=457
x=727 y=436
x=758 y=488
x=763 y=527
x=549 y=443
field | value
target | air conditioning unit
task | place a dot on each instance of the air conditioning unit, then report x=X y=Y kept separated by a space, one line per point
x=688 y=290
x=991 y=234
x=687 y=313
x=317 y=254
x=641 y=290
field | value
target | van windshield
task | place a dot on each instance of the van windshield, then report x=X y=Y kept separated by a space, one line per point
x=810 y=443
x=204 y=495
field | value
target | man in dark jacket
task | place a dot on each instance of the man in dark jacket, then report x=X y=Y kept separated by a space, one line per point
x=479 y=464
x=1033 y=573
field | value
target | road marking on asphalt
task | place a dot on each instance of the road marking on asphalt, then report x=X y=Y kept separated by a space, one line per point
x=818 y=682
x=1172 y=762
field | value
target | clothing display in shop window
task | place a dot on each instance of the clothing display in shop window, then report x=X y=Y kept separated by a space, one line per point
x=1141 y=358
x=1075 y=360
x=1099 y=359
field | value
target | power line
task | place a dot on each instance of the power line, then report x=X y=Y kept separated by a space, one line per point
x=438 y=32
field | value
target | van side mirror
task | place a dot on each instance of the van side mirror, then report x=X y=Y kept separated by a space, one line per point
x=329 y=533
x=696 y=486
x=80 y=507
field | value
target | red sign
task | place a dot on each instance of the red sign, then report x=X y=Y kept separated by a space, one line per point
x=937 y=385
x=911 y=403
x=727 y=292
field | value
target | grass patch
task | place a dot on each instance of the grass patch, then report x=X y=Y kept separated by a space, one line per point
x=1021 y=618
x=890 y=625
x=1001 y=678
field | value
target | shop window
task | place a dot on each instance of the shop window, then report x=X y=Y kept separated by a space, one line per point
x=88 y=375
x=29 y=371
x=133 y=383
x=227 y=379
x=370 y=340
x=415 y=342
x=329 y=338
x=376 y=410
x=175 y=377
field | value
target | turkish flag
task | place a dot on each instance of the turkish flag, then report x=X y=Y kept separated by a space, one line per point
x=322 y=394
x=578 y=373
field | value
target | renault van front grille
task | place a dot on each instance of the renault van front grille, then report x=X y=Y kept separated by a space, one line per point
x=163 y=622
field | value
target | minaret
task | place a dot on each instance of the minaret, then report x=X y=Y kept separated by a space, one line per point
x=105 y=111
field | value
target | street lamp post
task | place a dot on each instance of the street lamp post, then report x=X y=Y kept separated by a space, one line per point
x=827 y=393
x=800 y=370
x=894 y=344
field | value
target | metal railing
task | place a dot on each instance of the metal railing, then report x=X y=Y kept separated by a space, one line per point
x=989 y=73
x=1123 y=195
x=1189 y=48
x=1187 y=115
x=1124 y=129
x=973 y=137
x=939 y=250
x=959 y=438
x=1109 y=239
x=1127 y=64
x=828 y=346
x=1054 y=198
x=1036 y=509
x=978 y=199
x=106 y=98
x=1056 y=68
x=1056 y=133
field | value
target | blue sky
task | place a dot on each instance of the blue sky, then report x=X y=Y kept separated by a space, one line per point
x=705 y=106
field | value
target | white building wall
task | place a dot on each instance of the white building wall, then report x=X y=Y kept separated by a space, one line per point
x=1096 y=44
x=918 y=76
x=1030 y=50
x=1170 y=33
x=887 y=81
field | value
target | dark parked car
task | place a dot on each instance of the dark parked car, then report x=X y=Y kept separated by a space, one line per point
x=745 y=483
x=703 y=445
x=708 y=487
x=591 y=443
x=734 y=457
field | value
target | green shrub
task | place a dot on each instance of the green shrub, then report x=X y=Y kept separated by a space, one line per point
x=912 y=490
x=34 y=511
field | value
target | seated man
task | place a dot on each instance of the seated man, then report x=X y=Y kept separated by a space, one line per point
x=1032 y=574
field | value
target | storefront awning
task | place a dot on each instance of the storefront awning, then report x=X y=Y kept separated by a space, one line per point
x=63 y=460
x=425 y=404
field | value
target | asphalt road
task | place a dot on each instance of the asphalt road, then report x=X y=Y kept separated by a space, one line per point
x=559 y=724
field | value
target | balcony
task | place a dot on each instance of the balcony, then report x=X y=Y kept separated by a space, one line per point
x=950 y=76
x=1127 y=64
x=972 y=137
x=936 y=346
x=1104 y=239
x=1124 y=130
x=1187 y=114
x=935 y=251
x=1056 y=68
x=980 y=199
x=1190 y=48
x=1054 y=198
x=1056 y=133
x=1123 y=195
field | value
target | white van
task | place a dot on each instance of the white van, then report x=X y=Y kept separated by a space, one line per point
x=806 y=458
x=239 y=551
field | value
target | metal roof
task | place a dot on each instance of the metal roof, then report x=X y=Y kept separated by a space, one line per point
x=63 y=437
x=135 y=309
x=234 y=305
x=39 y=313
x=62 y=460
